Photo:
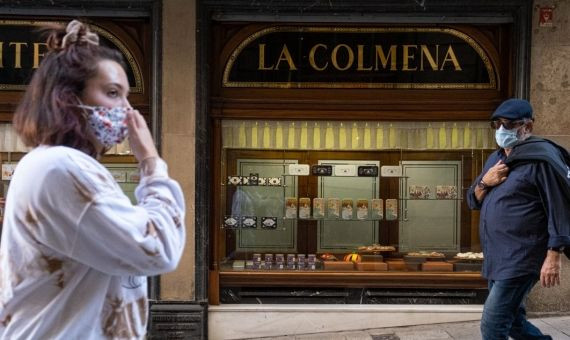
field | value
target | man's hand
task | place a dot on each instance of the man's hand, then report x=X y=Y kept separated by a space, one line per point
x=550 y=272
x=496 y=175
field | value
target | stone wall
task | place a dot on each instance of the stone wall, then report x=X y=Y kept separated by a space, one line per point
x=178 y=128
x=550 y=97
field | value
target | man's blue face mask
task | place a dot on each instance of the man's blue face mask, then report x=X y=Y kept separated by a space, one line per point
x=506 y=138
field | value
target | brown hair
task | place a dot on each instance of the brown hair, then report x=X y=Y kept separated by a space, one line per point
x=48 y=113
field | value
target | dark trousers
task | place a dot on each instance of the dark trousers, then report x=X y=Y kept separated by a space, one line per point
x=504 y=313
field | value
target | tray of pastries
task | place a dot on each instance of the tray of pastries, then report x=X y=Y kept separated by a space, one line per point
x=374 y=249
x=469 y=257
x=424 y=255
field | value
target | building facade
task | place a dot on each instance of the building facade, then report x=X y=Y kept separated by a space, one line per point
x=242 y=94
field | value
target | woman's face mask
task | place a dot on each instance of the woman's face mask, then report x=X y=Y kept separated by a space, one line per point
x=506 y=138
x=109 y=125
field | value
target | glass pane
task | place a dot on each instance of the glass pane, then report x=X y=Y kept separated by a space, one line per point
x=430 y=205
x=265 y=201
x=341 y=235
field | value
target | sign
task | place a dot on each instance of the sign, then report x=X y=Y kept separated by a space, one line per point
x=343 y=57
x=545 y=17
x=8 y=171
x=22 y=48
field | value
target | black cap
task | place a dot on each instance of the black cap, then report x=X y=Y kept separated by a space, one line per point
x=513 y=109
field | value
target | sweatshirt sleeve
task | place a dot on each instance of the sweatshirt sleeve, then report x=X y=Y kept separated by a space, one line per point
x=118 y=238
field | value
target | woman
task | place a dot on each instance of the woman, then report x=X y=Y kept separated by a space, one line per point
x=74 y=250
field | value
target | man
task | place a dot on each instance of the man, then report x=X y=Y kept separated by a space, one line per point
x=524 y=194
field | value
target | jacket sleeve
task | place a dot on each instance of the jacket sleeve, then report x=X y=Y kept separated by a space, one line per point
x=472 y=201
x=108 y=233
x=556 y=201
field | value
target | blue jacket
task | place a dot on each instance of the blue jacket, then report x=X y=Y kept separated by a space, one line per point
x=522 y=216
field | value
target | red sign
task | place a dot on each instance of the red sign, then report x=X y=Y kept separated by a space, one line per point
x=545 y=16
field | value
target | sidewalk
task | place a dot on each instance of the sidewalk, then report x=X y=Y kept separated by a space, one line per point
x=558 y=327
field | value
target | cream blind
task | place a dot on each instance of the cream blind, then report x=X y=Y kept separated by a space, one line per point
x=353 y=135
x=10 y=142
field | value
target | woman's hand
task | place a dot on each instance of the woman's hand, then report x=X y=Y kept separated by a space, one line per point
x=140 y=138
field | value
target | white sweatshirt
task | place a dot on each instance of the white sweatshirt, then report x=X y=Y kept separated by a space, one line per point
x=74 y=251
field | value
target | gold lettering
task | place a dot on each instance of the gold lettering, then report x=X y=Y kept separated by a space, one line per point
x=18 y=53
x=285 y=56
x=37 y=54
x=451 y=58
x=1 y=53
x=312 y=57
x=384 y=58
x=262 y=59
x=350 y=57
x=361 y=60
x=425 y=52
x=407 y=57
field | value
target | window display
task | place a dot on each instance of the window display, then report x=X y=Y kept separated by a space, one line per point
x=357 y=207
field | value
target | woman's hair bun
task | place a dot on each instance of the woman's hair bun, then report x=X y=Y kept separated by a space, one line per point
x=76 y=33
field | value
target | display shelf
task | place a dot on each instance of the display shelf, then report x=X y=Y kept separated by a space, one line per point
x=323 y=278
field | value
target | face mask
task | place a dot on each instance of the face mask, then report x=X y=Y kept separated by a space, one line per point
x=506 y=138
x=109 y=125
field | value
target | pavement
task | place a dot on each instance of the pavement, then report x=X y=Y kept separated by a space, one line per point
x=556 y=326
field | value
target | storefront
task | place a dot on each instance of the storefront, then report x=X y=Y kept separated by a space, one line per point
x=244 y=92
x=343 y=142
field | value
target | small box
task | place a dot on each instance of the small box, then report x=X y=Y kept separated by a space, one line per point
x=338 y=265
x=311 y=261
x=413 y=266
x=437 y=266
x=291 y=261
x=291 y=207
x=362 y=209
x=446 y=192
x=371 y=266
x=345 y=170
x=321 y=170
x=377 y=209
x=249 y=221
x=347 y=209
x=279 y=261
x=268 y=261
x=299 y=169
x=304 y=207
x=391 y=171
x=368 y=170
x=253 y=179
x=238 y=265
x=301 y=261
x=248 y=264
x=467 y=266
x=269 y=222
x=396 y=265
x=333 y=208
x=232 y=221
x=234 y=180
x=262 y=181
x=419 y=192
x=391 y=209
x=372 y=258
x=318 y=207
x=274 y=181
x=256 y=258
